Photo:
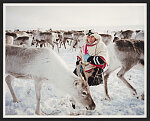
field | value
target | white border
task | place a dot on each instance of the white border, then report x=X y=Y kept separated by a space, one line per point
x=75 y=4
x=79 y=4
x=4 y=17
x=145 y=62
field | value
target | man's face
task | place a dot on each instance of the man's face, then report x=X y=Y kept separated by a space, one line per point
x=91 y=39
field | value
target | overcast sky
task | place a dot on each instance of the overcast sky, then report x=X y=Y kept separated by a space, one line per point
x=63 y=16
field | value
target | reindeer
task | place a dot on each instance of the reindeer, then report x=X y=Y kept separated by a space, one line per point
x=139 y=35
x=66 y=36
x=128 y=34
x=24 y=40
x=78 y=39
x=60 y=40
x=42 y=43
x=14 y=35
x=124 y=53
x=50 y=37
x=20 y=33
x=24 y=63
x=106 y=38
x=9 y=39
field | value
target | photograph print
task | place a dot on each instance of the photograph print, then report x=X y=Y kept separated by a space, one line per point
x=74 y=60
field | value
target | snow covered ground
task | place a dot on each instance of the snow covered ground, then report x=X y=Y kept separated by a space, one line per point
x=122 y=102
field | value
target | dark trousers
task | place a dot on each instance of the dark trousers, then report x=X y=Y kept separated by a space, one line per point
x=95 y=78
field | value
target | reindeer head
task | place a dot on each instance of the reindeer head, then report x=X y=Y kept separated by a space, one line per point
x=118 y=34
x=83 y=95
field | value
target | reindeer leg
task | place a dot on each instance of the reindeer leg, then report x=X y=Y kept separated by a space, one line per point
x=105 y=86
x=105 y=78
x=64 y=45
x=8 y=80
x=52 y=45
x=142 y=96
x=70 y=43
x=60 y=44
x=41 y=45
x=57 y=48
x=120 y=75
x=38 y=86
x=37 y=44
x=47 y=44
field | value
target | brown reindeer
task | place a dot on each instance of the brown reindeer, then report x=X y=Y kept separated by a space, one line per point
x=128 y=52
x=128 y=34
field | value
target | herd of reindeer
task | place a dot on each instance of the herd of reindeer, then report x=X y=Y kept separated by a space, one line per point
x=125 y=49
x=43 y=39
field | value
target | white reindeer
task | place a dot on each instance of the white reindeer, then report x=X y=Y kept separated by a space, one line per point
x=41 y=64
x=9 y=39
x=23 y=40
x=48 y=37
x=140 y=35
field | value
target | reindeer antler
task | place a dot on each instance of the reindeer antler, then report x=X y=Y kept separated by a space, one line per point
x=79 y=73
x=83 y=64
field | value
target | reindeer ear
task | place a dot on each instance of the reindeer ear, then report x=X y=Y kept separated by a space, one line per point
x=76 y=83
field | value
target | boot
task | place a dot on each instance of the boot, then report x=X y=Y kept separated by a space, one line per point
x=91 y=81
x=99 y=76
x=96 y=77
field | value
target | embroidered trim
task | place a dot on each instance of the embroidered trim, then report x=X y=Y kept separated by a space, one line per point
x=85 y=49
x=79 y=58
x=91 y=44
x=100 y=66
x=103 y=60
